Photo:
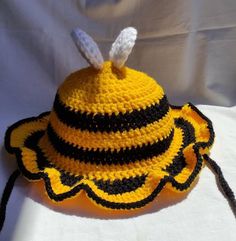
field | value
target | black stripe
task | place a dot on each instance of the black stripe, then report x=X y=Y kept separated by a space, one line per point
x=68 y=179
x=188 y=130
x=209 y=123
x=123 y=156
x=10 y=129
x=113 y=122
x=177 y=165
x=188 y=137
x=33 y=138
x=121 y=186
x=30 y=142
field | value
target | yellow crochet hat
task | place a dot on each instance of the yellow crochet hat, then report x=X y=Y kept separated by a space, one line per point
x=112 y=133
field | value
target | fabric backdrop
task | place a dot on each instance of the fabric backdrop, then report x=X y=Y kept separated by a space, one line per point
x=188 y=46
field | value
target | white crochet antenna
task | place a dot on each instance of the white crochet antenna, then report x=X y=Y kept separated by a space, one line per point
x=88 y=48
x=122 y=46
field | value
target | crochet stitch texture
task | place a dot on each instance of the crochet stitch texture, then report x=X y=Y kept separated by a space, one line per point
x=112 y=133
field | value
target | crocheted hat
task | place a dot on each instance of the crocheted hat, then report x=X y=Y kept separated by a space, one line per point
x=112 y=133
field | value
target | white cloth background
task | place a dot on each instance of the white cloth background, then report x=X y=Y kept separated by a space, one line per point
x=189 y=46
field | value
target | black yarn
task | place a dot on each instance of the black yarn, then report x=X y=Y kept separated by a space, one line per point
x=224 y=186
x=68 y=179
x=189 y=136
x=6 y=195
x=177 y=165
x=188 y=129
x=30 y=142
x=123 y=156
x=121 y=186
x=111 y=123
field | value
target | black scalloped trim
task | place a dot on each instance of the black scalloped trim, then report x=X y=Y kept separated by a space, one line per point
x=16 y=125
x=209 y=123
x=108 y=123
x=121 y=186
x=91 y=194
x=209 y=126
x=112 y=205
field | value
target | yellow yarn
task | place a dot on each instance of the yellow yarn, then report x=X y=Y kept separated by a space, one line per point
x=109 y=90
x=105 y=115
x=114 y=140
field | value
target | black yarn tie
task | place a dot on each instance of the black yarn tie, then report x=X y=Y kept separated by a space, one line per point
x=224 y=186
x=6 y=195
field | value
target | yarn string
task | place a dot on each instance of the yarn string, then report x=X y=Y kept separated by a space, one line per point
x=6 y=195
x=223 y=184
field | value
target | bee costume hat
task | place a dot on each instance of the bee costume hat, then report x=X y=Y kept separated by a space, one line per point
x=112 y=133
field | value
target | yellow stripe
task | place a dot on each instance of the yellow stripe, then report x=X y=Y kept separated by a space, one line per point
x=112 y=172
x=104 y=92
x=202 y=133
x=191 y=159
x=20 y=134
x=29 y=160
x=139 y=194
x=55 y=179
x=114 y=140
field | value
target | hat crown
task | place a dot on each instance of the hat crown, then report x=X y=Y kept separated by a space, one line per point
x=112 y=133
x=108 y=111
x=109 y=91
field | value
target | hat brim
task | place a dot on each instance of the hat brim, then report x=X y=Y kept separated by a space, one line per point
x=176 y=169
